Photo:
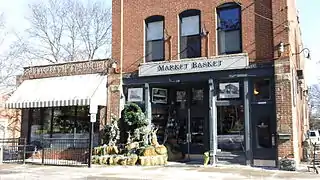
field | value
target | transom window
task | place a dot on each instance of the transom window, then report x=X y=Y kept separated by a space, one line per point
x=154 y=38
x=190 y=39
x=229 y=28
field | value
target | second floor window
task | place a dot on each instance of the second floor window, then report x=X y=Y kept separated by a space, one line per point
x=190 y=39
x=154 y=45
x=229 y=28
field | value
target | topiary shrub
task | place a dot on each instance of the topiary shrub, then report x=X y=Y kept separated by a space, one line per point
x=132 y=118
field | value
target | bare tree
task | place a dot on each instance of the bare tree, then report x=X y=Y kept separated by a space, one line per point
x=314 y=106
x=9 y=61
x=68 y=30
x=9 y=68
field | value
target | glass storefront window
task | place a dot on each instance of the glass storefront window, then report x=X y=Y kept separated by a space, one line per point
x=63 y=120
x=81 y=125
x=47 y=122
x=261 y=89
x=230 y=128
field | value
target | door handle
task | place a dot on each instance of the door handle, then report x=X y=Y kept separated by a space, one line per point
x=273 y=140
x=188 y=137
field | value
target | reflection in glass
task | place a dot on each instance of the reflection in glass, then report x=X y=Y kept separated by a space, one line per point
x=263 y=137
x=197 y=96
x=230 y=128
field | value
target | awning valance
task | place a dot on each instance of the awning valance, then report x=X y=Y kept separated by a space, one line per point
x=79 y=90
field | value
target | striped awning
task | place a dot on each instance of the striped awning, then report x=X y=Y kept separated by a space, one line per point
x=78 y=90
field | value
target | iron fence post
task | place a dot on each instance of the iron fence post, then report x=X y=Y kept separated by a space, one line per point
x=91 y=144
x=42 y=156
x=1 y=154
x=24 y=150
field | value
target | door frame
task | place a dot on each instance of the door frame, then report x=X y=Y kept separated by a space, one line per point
x=187 y=87
x=268 y=156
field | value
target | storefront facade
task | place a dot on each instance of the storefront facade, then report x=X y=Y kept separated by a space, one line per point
x=56 y=101
x=212 y=78
x=210 y=108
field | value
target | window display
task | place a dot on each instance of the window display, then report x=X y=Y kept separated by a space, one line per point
x=159 y=95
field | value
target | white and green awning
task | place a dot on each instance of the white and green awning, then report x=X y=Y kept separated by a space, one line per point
x=79 y=90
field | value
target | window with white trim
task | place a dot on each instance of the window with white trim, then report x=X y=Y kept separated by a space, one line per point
x=154 y=45
x=190 y=36
x=229 y=29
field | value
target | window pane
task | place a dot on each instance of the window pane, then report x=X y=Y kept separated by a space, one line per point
x=36 y=127
x=263 y=138
x=82 y=120
x=229 y=19
x=261 y=89
x=190 y=47
x=229 y=41
x=154 y=50
x=190 y=26
x=154 y=30
x=47 y=121
x=63 y=120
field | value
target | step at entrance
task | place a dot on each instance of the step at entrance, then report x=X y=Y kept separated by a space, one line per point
x=231 y=157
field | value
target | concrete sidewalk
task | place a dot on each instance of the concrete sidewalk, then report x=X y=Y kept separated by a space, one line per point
x=33 y=172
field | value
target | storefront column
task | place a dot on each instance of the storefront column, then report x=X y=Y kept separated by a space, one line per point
x=147 y=103
x=247 y=121
x=212 y=123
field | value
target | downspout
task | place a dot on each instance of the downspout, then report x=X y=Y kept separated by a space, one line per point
x=121 y=99
x=208 y=46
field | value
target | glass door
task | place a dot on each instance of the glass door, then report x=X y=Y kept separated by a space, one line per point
x=192 y=112
x=198 y=112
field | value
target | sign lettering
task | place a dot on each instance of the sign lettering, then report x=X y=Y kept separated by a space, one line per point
x=193 y=66
x=67 y=68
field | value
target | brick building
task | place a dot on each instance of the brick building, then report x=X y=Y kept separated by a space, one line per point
x=228 y=75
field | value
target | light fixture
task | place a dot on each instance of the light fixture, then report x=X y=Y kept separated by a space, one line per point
x=306 y=53
x=281 y=47
x=204 y=31
x=114 y=65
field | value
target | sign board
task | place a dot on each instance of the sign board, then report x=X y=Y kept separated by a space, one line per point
x=93 y=117
x=219 y=63
x=93 y=108
x=81 y=67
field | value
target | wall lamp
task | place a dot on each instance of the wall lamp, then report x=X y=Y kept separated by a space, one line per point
x=305 y=92
x=281 y=47
x=114 y=65
x=306 y=52
x=204 y=31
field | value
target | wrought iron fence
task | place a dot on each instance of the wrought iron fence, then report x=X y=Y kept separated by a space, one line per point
x=46 y=151
x=13 y=150
x=59 y=151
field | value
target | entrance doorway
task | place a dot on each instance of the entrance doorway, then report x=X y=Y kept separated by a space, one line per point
x=191 y=113
x=230 y=130
x=263 y=133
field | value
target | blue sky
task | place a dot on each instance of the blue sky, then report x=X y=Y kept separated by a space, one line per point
x=310 y=26
x=16 y=10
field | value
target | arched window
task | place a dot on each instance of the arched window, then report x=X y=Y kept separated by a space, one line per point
x=190 y=39
x=154 y=45
x=229 y=28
